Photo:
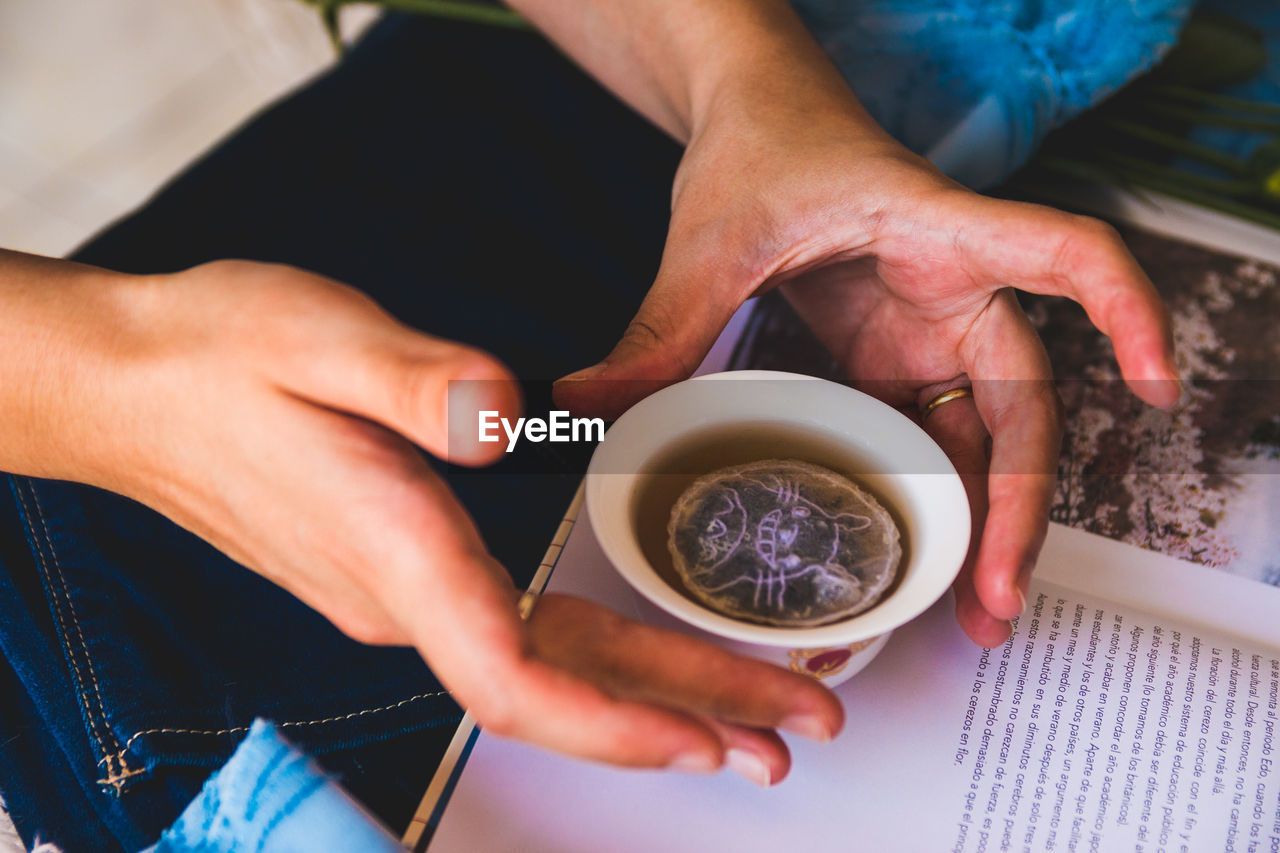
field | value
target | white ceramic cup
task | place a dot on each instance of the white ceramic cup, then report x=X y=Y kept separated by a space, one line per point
x=785 y=416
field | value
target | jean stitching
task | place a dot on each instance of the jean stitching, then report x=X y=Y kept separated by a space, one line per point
x=289 y=724
x=58 y=610
x=118 y=769
x=116 y=780
x=115 y=776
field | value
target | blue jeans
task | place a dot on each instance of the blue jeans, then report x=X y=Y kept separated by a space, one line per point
x=480 y=188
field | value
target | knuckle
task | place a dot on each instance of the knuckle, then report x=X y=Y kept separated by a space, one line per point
x=229 y=267
x=1096 y=234
x=732 y=704
x=373 y=635
x=417 y=393
x=1077 y=238
x=1057 y=408
x=277 y=308
x=654 y=335
x=1053 y=413
x=1043 y=394
x=644 y=334
x=474 y=365
x=259 y=279
x=422 y=385
x=368 y=629
x=422 y=538
x=1104 y=230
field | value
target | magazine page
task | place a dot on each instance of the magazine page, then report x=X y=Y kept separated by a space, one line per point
x=1098 y=726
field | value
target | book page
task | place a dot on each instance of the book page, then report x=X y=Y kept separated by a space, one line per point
x=1097 y=727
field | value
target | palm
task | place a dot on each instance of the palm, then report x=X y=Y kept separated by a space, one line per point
x=887 y=328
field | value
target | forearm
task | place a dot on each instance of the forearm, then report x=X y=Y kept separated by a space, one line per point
x=61 y=324
x=677 y=61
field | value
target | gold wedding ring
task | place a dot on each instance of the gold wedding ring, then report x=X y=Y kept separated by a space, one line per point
x=946 y=397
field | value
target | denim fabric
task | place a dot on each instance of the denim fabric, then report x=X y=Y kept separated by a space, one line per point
x=480 y=188
x=271 y=798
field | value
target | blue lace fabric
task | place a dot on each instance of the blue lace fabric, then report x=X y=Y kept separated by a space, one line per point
x=976 y=85
x=271 y=798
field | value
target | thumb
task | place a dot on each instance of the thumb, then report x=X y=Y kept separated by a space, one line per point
x=430 y=390
x=665 y=342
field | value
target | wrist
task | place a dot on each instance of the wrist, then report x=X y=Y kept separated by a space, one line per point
x=65 y=329
x=675 y=60
x=768 y=68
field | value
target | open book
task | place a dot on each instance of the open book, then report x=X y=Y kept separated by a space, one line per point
x=1135 y=708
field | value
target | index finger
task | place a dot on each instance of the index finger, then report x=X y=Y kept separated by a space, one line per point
x=1047 y=251
x=648 y=664
x=1019 y=404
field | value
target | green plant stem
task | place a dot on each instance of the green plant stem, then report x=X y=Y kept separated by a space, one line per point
x=1178 y=145
x=1201 y=183
x=329 y=17
x=460 y=10
x=1211 y=99
x=1079 y=169
x=1241 y=210
x=1196 y=116
x=1247 y=212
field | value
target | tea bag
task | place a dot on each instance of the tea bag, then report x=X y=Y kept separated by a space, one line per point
x=783 y=542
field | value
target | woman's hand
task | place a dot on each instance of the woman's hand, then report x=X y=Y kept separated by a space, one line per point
x=277 y=414
x=903 y=274
x=906 y=277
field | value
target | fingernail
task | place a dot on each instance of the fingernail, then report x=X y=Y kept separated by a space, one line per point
x=694 y=762
x=1174 y=379
x=585 y=373
x=808 y=726
x=749 y=766
x=1022 y=583
x=1015 y=589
